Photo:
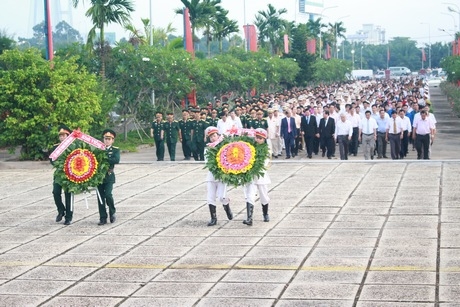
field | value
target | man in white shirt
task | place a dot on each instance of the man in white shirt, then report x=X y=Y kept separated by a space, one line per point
x=224 y=124
x=368 y=135
x=355 y=120
x=274 y=141
x=343 y=133
x=394 y=134
x=406 y=131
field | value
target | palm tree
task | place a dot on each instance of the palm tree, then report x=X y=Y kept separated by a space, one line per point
x=339 y=32
x=159 y=35
x=315 y=27
x=270 y=26
x=223 y=27
x=102 y=13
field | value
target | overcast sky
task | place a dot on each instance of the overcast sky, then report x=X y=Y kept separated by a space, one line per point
x=419 y=20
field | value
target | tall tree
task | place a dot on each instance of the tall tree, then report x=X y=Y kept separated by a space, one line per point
x=271 y=26
x=224 y=27
x=102 y=13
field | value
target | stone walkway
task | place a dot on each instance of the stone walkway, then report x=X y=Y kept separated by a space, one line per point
x=354 y=233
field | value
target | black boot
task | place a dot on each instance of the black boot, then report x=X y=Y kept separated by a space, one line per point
x=228 y=211
x=212 y=210
x=265 y=212
x=249 y=209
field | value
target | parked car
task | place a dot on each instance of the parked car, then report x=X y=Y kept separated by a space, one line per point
x=380 y=75
x=435 y=81
x=399 y=71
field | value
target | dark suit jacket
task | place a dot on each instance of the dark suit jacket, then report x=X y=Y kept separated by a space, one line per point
x=311 y=128
x=326 y=131
x=284 y=128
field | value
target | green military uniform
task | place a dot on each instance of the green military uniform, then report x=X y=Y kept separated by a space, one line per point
x=213 y=121
x=171 y=135
x=106 y=187
x=250 y=123
x=157 y=127
x=63 y=211
x=260 y=124
x=186 y=133
x=244 y=120
x=198 y=142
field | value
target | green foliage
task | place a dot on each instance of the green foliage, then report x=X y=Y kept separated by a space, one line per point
x=330 y=70
x=72 y=187
x=37 y=95
x=257 y=170
x=6 y=42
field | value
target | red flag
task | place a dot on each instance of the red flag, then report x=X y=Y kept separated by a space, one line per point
x=188 y=39
x=286 y=43
x=388 y=53
x=423 y=55
x=311 y=46
x=458 y=46
x=251 y=37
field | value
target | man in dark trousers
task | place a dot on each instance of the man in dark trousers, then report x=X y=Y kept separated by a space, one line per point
x=309 y=130
x=157 y=133
x=106 y=187
x=289 y=133
x=326 y=134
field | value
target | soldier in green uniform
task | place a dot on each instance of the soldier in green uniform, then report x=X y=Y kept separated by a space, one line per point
x=260 y=121
x=251 y=120
x=198 y=136
x=212 y=121
x=157 y=133
x=172 y=132
x=185 y=137
x=67 y=210
x=105 y=188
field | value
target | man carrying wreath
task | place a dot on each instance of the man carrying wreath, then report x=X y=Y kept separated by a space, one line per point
x=106 y=187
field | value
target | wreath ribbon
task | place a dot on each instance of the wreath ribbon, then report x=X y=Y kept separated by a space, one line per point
x=76 y=134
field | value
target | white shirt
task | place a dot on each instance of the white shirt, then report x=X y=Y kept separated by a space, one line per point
x=429 y=116
x=390 y=125
x=406 y=126
x=274 y=124
x=354 y=119
x=343 y=128
x=224 y=126
x=367 y=126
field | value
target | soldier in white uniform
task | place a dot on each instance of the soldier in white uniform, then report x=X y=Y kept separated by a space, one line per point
x=260 y=183
x=216 y=188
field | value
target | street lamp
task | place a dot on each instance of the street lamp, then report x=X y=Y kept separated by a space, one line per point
x=320 y=16
x=429 y=43
x=353 y=58
x=336 y=46
x=450 y=34
x=145 y=59
x=450 y=9
x=361 y=57
x=151 y=24
x=453 y=18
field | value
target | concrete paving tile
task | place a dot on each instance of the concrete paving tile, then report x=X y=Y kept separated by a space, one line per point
x=392 y=304
x=57 y=273
x=302 y=224
x=8 y=247
x=11 y=270
x=450 y=258
x=158 y=251
x=357 y=202
x=314 y=209
x=102 y=288
x=174 y=289
x=190 y=275
x=100 y=249
x=336 y=264
x=405 y=251
x=398 y=293
x=278 y=263
x=333 y=277
x=413 y=224
x=16 y=238
x=308 y=217
x=285 y=232
x=124 y=274
x=34 y=287
x=119 y=239
x=342 y=252
x=426 y=233
x=226 y=241
x=235 y=302
x=178 y=232
x=357 y=218
x=60 y=301
x=362 y=210
x=243 y=232
x=278 y=251
x=132 y=230
x=158 y=302
x=258 y=276
x=450 y=242
x=358 y=224
x=23 y=259
x=246 y=290
x=403 y=264
x=429 y=219
x=22 y=300
x=314 y=303
x=80 y=260
x=449 y=278
x=288 y=241
x=374 y=197
x=388 y=241
x=219 y=250
x=415 y=211
x=351 y=242
x=147 y=262
x=313 y=291
x=402 y=278
x=205 y=262
x=360 y=233
x=449 y=294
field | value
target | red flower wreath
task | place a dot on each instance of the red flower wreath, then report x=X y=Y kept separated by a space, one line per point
x=80 y=165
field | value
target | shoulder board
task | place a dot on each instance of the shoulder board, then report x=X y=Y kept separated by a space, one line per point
x=116 y=147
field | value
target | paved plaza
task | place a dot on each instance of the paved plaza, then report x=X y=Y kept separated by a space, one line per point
x=342 y=233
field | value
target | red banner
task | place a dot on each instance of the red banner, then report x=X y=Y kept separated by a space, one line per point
x=388 y=53
x=188 y=38
x=286 y=43
x=311 y=46
x=423 y=55
x=327 y=54
x=251 y=37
